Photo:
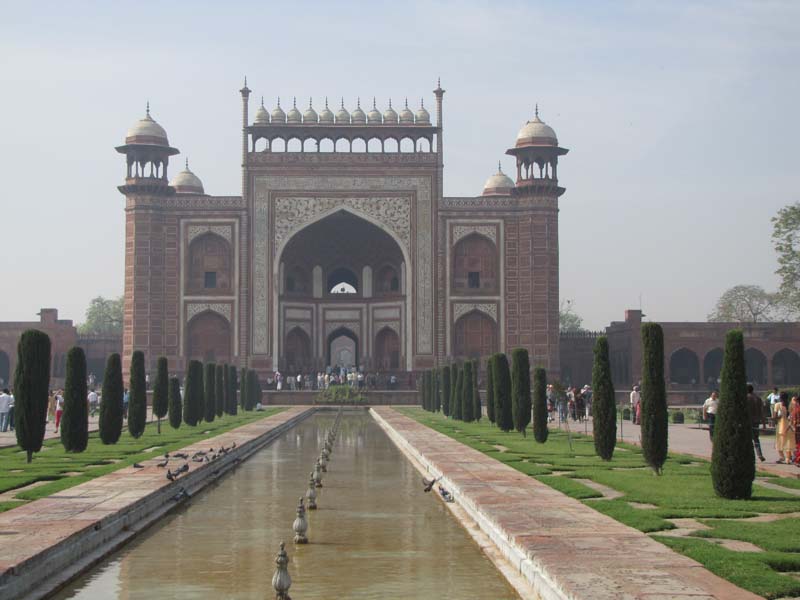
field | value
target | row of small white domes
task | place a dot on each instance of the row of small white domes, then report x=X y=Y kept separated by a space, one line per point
x=342 y=116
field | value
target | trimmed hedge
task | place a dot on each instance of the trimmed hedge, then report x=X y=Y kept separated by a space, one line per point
x=502 y=392
x=477 y=408
x=520 y=389
x=161 y=391
x=654 y=397
x=490 y=389
x=31 y=386
x=175 y=403
x=75 y=420
x=111 y=401
x=137 y=405
x=604 y=405
x=219 y=390
x=446 y=391
x=209 y=392
x=193 y=394
x=458 y=412
x=540 y=431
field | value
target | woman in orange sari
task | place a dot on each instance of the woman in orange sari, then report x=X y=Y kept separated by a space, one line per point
x=784 y=436
x=794 y=421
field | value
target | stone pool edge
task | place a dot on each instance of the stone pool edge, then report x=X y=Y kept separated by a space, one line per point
x=96 y=536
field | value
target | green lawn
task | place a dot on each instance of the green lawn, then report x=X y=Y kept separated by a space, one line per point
x=62 y=469
x=684 y=490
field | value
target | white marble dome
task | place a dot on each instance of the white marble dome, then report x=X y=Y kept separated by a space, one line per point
x=423 y=117
x=147 y=131
x=278 y=116
x=358 y=115
x=389 y=115
x=262 y=116
x=294 y=116
x=342 y=116
x=187 y=182
x=374 y=116
x=310 y=116
x=326 y=116
x=536 y=133
x=406 y=116
x=498 y=184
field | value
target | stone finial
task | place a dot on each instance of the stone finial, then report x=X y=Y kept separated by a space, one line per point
x=148 y=108
x=300 y=525
x=281 y=581
x=311 y=493
x=536 y=111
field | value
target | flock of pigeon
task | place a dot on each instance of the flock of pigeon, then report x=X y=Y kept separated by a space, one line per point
x=200 y=456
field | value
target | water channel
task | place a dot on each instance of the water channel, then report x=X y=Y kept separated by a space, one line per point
x=376 y=534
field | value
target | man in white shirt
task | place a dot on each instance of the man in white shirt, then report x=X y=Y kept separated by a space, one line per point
x=93 y=402
x=710 y=413
x=5 y=409
x=636 y=398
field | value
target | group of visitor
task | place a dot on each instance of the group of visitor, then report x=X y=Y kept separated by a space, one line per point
x=573 y=403
x=6 y=410
x=355 y=378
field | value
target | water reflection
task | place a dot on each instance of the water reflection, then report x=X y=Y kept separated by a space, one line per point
x=375 y=534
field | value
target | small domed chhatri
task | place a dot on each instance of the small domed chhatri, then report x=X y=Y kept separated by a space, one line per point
x=498 y=184
x=342 y=116
x=310 y=116
x=536 y=133
x=326 y=116
x=406 y=116
x=147 y=131
x=423 y=117
x=187 y=182
x=374 y=116
x=278 y=116
x=294 y=116
x=389 y=115
x=358 y=116
x=262 y=116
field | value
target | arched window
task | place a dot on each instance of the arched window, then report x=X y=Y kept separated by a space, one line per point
x=407 y=145
x=294 y=145
x=342 y=281
x=260 y=145
x=278 y=145
x=391 y=145
x=326 y=145
x=684 y=367
x=342 y=145
x=475 y=335
x=712 y=366
x=423 y=145
x=387 y=349
x=475 y=265
x=298 y=351
x=208 y=338
x=209 y=265
x=359 y=145
x=785 y=367
x=310 y=145
x=756 y=365
x=387 y=282
x=374 y=145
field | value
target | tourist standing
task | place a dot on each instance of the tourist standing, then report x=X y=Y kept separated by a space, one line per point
x=587 y=399
x=93 y=401
x=710 y=407
x=636 y=399
x=784 y=439
x=59 y=408
x=795 y=423
x=126 y=398
x=5 y=406
x=756 y=408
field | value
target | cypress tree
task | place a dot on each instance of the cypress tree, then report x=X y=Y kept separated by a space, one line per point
x=243 y=388
x=423 y=391
x=111 y=409
x=733 y=463
x=209 y=392
x=253 y=390
x=477 y=409
x=446 y=390
x=502 y=393
x=219 y=390
x=520 y=389
x=467 y=400
x=459 y=387
x=137 y=405
x=161 y=391
x=31 y=385
x=490 y=389
x=226 y=384
x=234 y=383
x=75 y=420
x=437 y=386
x=453 y=390
x=604 y=405
x=654 y=397
x=540 y=405
x=426 y=390
x=175 y=403
x=193 y=394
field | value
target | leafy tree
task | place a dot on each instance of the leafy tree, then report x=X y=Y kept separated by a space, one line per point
x=103 y=317
x=458 y=405
x=111 y=408
x=540 y=431
x=175 y=403
x=31 y=383
x=467 y=400
x=786 y=238
x=746 y=304
x=733 y=463
x=137 y=405
x=604 y=405
x=477 y=409
x=193 y=394
x=219 y=390
x=234 y=383
x=520 y=389
x=454 y=397
x=243 y=389
x=654 y=397
x=490 y=389
x=209 y=392
x=568 y=319
x=75 y=420
x=161 y=391
x=502 y=392
x=446 y=391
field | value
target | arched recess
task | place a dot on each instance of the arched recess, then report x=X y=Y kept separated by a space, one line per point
x=391 y=145
x=475 y=265
x=210 y=259
x=387 y=349
x=294 y=145
x=342 y=348
x=277 y=145
x=374 y=145
x=310 y=145
x=423 y=145
x=358 y=145
x=297 y=351
x=208 y=338
x=5 y=368
x=261 y=145
x=342 y=145
x=475 y=335
x=684 y=367
x=326 y=145
x=342 y=281
x=387 y=281
x=756 y=365
x=712 y=366
x=785 y=367
x=406 y=145
x=297 y=282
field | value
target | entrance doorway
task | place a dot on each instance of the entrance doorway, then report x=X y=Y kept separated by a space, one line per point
x=343 y=349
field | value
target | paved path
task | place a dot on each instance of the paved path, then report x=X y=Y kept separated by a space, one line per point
x=693 y=439
x=560 y=543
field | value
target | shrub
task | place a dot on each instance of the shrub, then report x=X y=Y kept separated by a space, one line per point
x=458 y=406
x=219 y=390
x=502 y=392
x=161 y=391
x=733 y=463
x=677 y=417
x=467 y=401
x=520 y=389
x=654 y=397
x=540 y=430
x=477 y=408
x=490 y=390
x=175 y=403
x=446 y=391
x=193 y=394
x=604 y=404
x=209 y=392
x=111 y=409
x=31 y=385
x=75 y=420
x=137 y=405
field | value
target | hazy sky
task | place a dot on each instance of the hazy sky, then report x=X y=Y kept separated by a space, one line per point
x=681 y=120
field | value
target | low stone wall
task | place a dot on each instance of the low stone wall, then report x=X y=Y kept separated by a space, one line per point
x=371 y=398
